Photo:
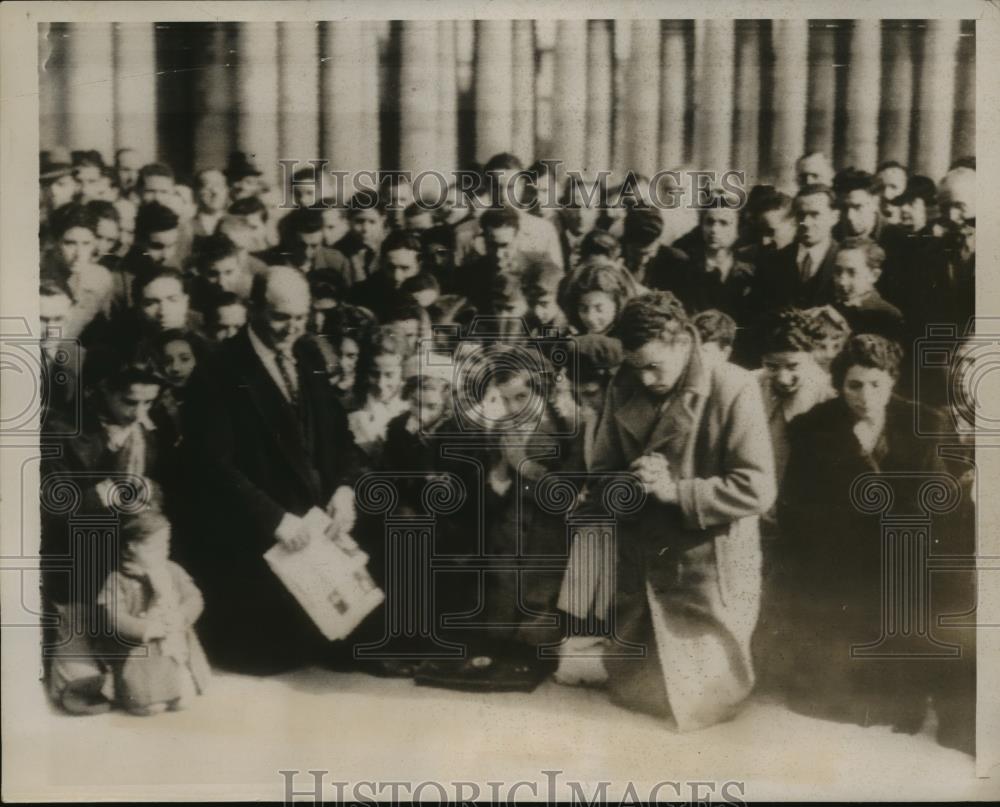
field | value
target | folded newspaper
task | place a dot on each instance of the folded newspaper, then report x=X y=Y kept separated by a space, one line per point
x=330 y=579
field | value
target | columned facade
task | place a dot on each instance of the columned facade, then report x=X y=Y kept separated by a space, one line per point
x=644 y=95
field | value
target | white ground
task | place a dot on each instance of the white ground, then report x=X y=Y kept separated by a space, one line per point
x=237 y=737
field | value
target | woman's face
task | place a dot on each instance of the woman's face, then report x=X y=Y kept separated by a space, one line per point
x=178 y=362
x=597 y=311
x=349 y=352
x=386 y=376
x=866 y=392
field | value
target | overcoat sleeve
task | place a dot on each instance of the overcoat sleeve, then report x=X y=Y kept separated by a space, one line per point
x=745 y=486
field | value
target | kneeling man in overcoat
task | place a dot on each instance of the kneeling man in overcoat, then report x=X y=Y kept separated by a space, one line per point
x=689 y=568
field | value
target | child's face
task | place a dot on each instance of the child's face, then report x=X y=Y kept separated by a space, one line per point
x=431 y=405
x=78 y=246
x=827 y=347
x=853 y=278
x=545 y=308
x=368 y=226
x=386 y=377
x=178 y=362
x=151 y=551
x=786 y=370
x=349 y=352
x=597 y=311
x=230 y=319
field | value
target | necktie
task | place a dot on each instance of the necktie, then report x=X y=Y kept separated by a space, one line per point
x=806 y=267
x=289 y=375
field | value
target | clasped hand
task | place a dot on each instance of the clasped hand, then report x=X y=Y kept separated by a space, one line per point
x=653 y=471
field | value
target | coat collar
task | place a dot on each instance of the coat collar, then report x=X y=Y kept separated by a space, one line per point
x=664 y=426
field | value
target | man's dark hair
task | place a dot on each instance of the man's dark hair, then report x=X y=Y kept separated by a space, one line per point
x=657 y=315
x=404 y=310
x=69 y=216
x=851 y=179
x=497 y=217
x=817 y=190
x=773 y=200
x=866 y=350
x=155 y=170
x=422 y=281
x=599 y=242
x=300 y=220
x=102 y=209
x=54 y=286
x=212 y=249
x=146 y=278
x=248 y=206
x=401 y=239
x=153 y=217
x=504 y=161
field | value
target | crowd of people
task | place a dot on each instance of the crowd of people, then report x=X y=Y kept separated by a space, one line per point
x=250 y=363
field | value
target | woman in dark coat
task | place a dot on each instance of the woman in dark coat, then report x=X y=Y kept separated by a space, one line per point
x=832 y=543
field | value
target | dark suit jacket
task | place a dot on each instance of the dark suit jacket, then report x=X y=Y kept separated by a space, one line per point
x=252 y=458
x=779 y=283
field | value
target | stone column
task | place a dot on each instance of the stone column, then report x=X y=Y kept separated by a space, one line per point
x=418 y=96
x=643 y=101
x=523 y=91
x=51 y=87
x=897 y=91
x=864 y=70
x=214 y=130
x=447 y=114
x=713 y=124
x=345 y=84
x=494 y=88
x=90 y=93
x=791 y=54
x=964 y=142
x=298 y=60
x=600 y=94
x=935 y=102
x=822 y=93
x=570 y=96
x=673 y=94
x=135 y=88
x=257 y=90
x=746 y=137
